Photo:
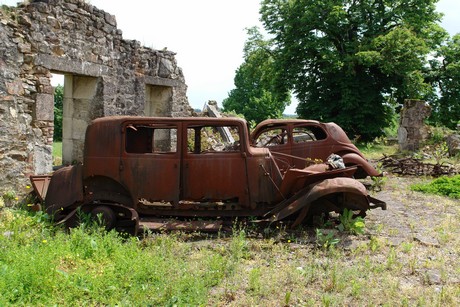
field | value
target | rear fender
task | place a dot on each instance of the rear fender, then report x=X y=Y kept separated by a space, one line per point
x=100 y=188
x=352 y=158
x=65 y=189
x=321 y=189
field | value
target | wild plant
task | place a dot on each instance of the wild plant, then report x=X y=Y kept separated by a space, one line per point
x=348 y=222
x=326 y=240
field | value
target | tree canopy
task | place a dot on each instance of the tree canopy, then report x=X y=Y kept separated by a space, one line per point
x=350 y=61
x=445 y=76
x=256 y=95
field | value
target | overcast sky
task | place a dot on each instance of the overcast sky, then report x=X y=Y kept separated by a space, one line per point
x=206 y=35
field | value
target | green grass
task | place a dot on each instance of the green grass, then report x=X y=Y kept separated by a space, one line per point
x=376 y=150
x=57 y=153
x=41 y=265
x=445 y=186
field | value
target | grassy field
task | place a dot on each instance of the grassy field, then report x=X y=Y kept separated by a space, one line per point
x=407 y=255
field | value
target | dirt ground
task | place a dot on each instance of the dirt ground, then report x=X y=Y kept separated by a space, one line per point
x=408 y=255
x=430 y=222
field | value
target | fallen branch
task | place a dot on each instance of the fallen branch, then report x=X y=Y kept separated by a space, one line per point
x=415 y=167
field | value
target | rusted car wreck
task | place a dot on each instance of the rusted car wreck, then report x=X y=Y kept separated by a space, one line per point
x=293 y=140
x=139 y=168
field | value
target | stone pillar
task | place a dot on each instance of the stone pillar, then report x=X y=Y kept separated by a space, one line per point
x=412 y=130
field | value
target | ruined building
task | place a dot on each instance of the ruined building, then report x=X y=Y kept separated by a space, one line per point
x=104 y=75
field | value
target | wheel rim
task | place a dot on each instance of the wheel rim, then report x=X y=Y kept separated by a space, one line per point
x=108 y=217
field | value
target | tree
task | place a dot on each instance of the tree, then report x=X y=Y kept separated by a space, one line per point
x=445 y=74
x=257 y=96
x=352 y=61
x=58 y=107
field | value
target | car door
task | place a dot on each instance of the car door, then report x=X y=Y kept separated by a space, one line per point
x=214 y=166
x=150 y=165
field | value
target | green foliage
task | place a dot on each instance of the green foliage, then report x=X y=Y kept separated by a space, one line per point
x=57 y=153
x=43 y=266
x=256 y=95
x=348 y=222
x=58 y=108
x=445 y=76
x=352 y=62
x=446 y=186
x=378 y=181
x=9 y=198
x=326 y=239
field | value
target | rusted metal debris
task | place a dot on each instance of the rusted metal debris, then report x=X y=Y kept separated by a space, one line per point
x=174 y=224
x=138 y=168
x=416 y=167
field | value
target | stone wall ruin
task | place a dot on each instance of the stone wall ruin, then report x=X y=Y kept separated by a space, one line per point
x=412 y=130
x=104 y=75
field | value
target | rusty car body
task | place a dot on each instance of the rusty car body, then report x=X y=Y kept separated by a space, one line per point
x=310 y=140
x=138 y=168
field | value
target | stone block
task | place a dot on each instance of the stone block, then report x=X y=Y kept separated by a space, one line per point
x=44 y=107
x=412 y=130
x=43 y=162
x=79 y=129
x=15 y=87
x=165 y=69
x=110 y=19
x=453 y=144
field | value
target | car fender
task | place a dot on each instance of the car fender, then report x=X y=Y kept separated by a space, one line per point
x=320 y=189
x=352 y=158
x=65 y=189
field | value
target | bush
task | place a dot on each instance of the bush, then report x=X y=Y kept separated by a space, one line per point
x=446 y=186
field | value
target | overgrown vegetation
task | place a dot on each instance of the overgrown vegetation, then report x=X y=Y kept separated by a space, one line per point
x=446 y=186
x=43 y=265
x=341 y=263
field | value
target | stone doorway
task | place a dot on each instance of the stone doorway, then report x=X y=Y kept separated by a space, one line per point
x=80 y=106
x=158 y=100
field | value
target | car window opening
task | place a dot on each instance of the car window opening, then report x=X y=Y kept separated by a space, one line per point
x=308 y=134
x=209 y=139
x=147 y=139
